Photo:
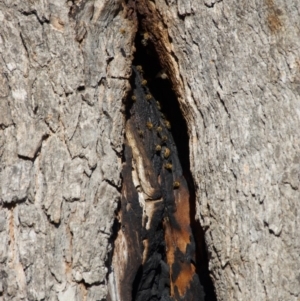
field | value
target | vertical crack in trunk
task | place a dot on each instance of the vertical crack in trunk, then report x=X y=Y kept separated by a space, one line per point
x=159 y=252
x=156 y=204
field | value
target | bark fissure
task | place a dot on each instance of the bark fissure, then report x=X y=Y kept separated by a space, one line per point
x=157 y=213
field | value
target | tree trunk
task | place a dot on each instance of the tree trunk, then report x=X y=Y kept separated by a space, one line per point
x=64 y=79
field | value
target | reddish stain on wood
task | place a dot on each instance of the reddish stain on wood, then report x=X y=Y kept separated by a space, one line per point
x=178 y=238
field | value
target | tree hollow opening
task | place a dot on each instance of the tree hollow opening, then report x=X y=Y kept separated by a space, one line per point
x=160 y=251
x=161 y=89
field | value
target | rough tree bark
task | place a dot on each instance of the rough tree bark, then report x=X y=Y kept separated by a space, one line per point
x=64 y=71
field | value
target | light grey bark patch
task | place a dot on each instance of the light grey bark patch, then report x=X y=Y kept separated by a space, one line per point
x=95 y=53
x=74 y=180
x=56 y=244
x=70 y=115
x=30 y=136
x=85 y=229
x=40 y=8
x=5 y=115
x=4 y=247
x=95 y=59
x=110 y=106
x=15 y=181
x=45 y=103
x=98 y=292
x=292 y=176
x=57 y=79
x=86 y=135
x=87 y=122
x=4 y=88
x=11 y=44
x=184 y=7
x=88 y=96
x=53 y=176
x=68 y=294
x=211 y=3
x=94 y=186
x=35 y=40
x=31 y=216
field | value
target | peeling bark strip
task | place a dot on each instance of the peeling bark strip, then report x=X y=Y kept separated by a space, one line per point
x=155 y=210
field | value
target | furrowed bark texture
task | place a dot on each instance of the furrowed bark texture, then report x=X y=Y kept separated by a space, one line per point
x=64 y=72
x=235 y=66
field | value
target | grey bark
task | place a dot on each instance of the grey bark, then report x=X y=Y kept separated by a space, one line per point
x=62 y=83
x=63 y=75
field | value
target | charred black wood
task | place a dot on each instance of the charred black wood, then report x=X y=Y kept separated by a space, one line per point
x=156 y=205
x=163 y=91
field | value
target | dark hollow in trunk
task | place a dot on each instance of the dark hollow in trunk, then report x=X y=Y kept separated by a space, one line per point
x=167 y=259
